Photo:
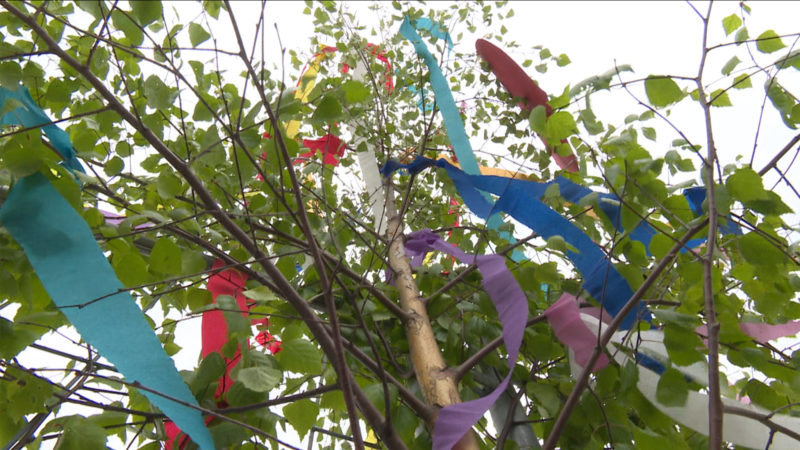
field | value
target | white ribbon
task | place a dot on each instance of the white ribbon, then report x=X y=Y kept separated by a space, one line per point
x=737 y=429
x=369 y=168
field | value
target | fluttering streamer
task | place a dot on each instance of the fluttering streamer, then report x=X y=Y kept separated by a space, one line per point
x=63 y=252
x=519 y=199
x=450 y=115
x=455 y=420
x=30 y=115
x=745 y=430
x=520 y=85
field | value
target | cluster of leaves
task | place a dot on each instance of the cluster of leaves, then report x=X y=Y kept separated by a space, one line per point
x=191 y=140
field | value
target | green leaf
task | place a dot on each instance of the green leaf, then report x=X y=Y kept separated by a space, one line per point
x=10 y=74
x=562 y=60
x=238 y=324
x=628 y=376
x=649 y=133
x=682 y=345
x=132 y=31
x=146 y=12
x=648 y=440
x=560 y=125
x=25 y=393
x=328 y=110
x=742 y=82
x=258 y=379
x=301 y=356
x=719 y=98
x=212 y=7
x=197 y=34
x=355 y=91
x=672 y=390
x=197 y=298
x=731 y=23
x=212 y=367
x=769 y=42
x=91 y=7
x=538 y=119
x=660 y=245
x=166 y=257
x=261 y=294
x=792 y=59
x=192 y=262
x=301 y=415
x=758 y=251
x=547 y=396
x=741 y=36
x=131 y=269
x=662 y=91
x=168 y=185
x=81 y=434
x=158 y=94
x=227 y=435
x=730 y=65
x=745 y=185
x=114 y=166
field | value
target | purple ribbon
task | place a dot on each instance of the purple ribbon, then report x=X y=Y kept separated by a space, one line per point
x=512 y=306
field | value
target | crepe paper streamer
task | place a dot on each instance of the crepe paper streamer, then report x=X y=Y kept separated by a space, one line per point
x=214 y=328
x=421 y=103
x=173 y=432
x=28 y=114
x=455 y=420
x=55 y=237
x=610 y=204
x=214 y=332
x=309 y=73
x=304 y=89
x=564 y=318
x=116 y=219
x=374 y=188
x=451 y=118
x=435 y=29
x=519 y=84
x=520 y=200
x=737 y=429
x=331 y=147
x=762 y=332
x=486 y=170
x=696 y=196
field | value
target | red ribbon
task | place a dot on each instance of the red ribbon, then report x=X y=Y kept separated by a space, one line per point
x=214 y=335
x=519 y=84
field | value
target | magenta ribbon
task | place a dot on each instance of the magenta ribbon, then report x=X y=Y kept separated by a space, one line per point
x=456 y=420
x=565 y=318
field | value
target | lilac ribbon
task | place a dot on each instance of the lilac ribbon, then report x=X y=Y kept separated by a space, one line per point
x=116 y=219
x=512 y=307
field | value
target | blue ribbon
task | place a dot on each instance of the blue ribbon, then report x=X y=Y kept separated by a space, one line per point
x=450 y=116
x=62 y=250
x=520 y=199
x=610 y=204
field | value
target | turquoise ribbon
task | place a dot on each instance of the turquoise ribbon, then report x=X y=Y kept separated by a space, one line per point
x=450 y=116
x=30 y=115
x=62 y=250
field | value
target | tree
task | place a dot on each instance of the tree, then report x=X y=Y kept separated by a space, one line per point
x=223 y=171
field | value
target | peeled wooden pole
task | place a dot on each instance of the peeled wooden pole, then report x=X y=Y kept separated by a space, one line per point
x=438 y=384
